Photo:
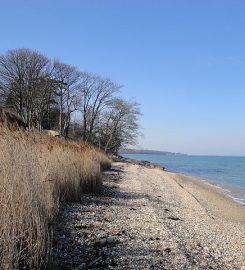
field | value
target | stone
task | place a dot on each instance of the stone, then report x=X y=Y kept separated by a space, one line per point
x=106 y=241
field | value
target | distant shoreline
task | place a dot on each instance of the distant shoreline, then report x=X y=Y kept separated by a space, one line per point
x=149 y=152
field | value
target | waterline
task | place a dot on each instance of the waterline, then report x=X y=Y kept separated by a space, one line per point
x=227 y=173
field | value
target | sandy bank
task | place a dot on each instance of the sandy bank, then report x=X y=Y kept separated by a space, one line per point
x=213 y=198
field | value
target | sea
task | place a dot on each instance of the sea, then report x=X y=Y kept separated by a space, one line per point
x=226 y=172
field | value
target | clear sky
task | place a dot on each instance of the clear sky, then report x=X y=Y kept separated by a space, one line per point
x=184 y=61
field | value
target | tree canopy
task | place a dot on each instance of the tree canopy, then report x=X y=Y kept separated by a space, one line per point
x=47 y=93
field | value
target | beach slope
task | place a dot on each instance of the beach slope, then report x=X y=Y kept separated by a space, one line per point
x=158 y=220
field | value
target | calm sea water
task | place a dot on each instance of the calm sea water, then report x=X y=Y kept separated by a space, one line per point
x=225 y=172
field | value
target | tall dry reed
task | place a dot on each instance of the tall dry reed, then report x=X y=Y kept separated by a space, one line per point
x=37 y=173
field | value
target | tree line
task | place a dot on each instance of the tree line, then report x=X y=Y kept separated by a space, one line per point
x=46 y=93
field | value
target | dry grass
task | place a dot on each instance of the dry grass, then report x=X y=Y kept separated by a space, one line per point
x=37 y=173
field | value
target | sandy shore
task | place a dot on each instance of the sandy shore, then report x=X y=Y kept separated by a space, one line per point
x=154 y=220
x=213 y=198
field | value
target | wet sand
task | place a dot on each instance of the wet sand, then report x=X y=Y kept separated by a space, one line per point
x=212 y=197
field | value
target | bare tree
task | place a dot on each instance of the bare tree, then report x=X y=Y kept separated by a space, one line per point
x=22 y=76
x=46 y=93
x=119 y=125
x=67 y=79
x=96 y=93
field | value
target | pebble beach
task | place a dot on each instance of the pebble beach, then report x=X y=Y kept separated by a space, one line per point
x=148 y=218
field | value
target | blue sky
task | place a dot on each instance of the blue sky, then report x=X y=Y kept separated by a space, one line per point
x=184 y=61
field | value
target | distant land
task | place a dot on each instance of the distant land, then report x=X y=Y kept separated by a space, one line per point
x=151 y=152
